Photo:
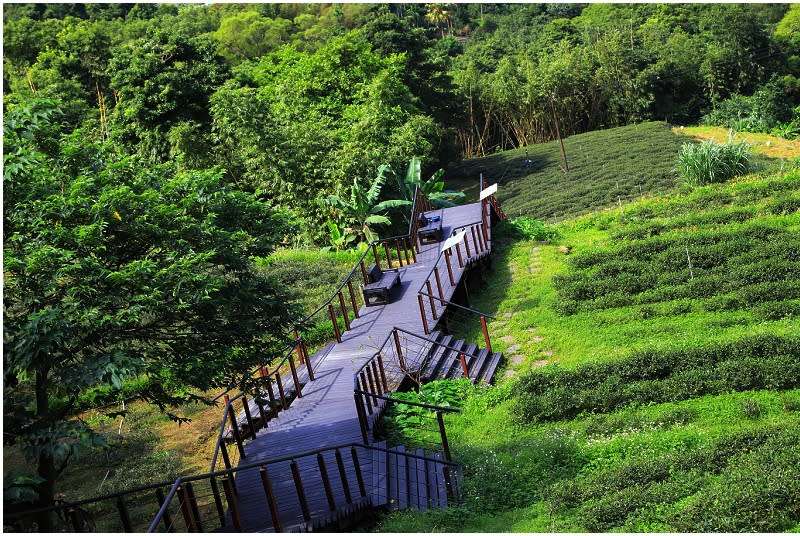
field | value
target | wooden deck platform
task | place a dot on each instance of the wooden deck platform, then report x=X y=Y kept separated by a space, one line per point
x=326 y=414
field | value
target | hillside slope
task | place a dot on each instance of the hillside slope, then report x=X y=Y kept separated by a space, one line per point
x=605 y=167
x=641 y=394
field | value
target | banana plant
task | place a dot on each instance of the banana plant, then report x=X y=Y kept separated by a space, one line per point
x=340 y=239
x=361 y=209
x=433 y=188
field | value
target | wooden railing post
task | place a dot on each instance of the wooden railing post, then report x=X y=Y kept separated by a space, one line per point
x=352 y=298
x=345 y=316
x=373 y=389
x=217 y=501
x=449 y=267
x=464 y=368
x=308 y=361
x=336 y=331
x=284 y=402
x=397 y=247
x=362 y=417
x=359 y=477
x=234 y=425
x=293 y=368
x=167 y=517
x=270 y=495
x=400 y=358
x=193 y=504
x=248 y=416
x=375 y=254
x=377 y=375
x=364 y=273
x=225 y=458
x=405 y=250
x=343 y=477
x=273 y=411
x=486 y=334
x=422 y=314
x=326 y=481
x=475 y=243
x=186 y=510
x=124 y=515
x=443 y=435
x=301 y=494
x=458 y=251
x=383 y=372
x=298 y=349
x=466 y=244
x=430 y=297
x=388 y=255
x=365 y=388
x=414 y=248
x=438 y=282
x=233 y=502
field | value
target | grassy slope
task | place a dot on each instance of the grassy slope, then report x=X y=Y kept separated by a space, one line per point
x=605 y=166
x=621 y=470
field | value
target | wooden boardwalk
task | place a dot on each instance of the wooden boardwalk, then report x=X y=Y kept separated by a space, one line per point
x=326 y=413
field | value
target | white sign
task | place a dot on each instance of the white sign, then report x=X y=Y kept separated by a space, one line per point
x=453 y=240
x=488 y=191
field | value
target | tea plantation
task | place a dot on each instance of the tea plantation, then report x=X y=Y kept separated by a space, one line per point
x=606 y=167
x=653 y=373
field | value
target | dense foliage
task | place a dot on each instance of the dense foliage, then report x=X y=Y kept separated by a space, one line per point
x=295 y=101
x=113 y=270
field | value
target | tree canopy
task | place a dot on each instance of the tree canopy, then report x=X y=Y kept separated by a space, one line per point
x=113 y=270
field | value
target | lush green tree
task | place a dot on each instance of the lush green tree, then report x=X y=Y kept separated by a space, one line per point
x=249 y=35
x=314 y=122
x=164 y=82
x=114 y=269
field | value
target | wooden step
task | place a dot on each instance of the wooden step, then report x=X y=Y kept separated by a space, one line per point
x=398 y=479
x=438 y=477
x=445 y=360
x=455 y=370
x=477 y=365
x=435 y=356
x=418 y=482
x=491 y=367
x=380 y=484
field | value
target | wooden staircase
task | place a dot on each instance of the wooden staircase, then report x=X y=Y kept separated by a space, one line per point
x=412 y=480
x=442 y=360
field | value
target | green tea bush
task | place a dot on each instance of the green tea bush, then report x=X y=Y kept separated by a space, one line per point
x=648 y=376
x=645 y=486
x=532 y=229
x=759 y=492
x=710 y=162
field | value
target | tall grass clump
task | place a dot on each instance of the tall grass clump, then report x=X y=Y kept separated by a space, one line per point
x=709 y=162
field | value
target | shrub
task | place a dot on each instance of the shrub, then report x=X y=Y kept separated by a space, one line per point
x=534 y=229
x=764 y=361
x=710 y=162
x=759 y=492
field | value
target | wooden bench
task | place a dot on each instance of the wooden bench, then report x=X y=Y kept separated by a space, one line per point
x=430 y=228
x=380 y=285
